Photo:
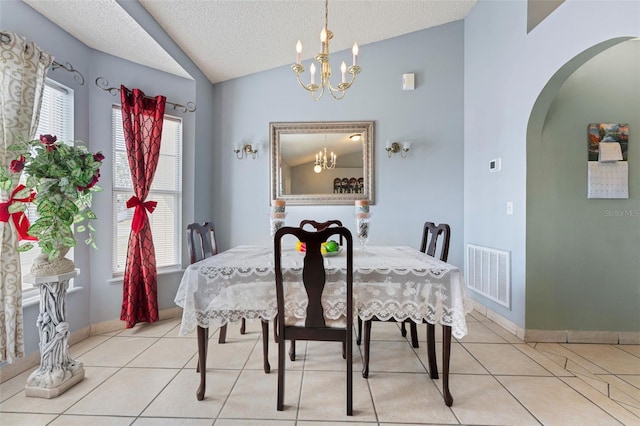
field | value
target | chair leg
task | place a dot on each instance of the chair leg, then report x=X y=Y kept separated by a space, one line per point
x=222 y=336
x=344 y=350
x=403 y=329
x=281 y=349
x=414 y=334
x=206 y=337
x=202 y=361
x=349 y=348
x=243 y=326
x=265 y=346
x=367 y=343
x=431 y=350
x=446 y=355
x=292 y=351
x=359 y=334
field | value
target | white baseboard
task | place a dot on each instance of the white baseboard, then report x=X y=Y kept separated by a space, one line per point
x=559 y=336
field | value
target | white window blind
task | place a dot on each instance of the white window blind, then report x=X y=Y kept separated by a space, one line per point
x=166 y=189
x=56 y=118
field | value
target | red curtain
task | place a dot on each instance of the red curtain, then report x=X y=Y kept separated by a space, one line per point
x=142 y=119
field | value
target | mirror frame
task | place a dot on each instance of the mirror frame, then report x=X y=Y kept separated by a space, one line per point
x=366 y=128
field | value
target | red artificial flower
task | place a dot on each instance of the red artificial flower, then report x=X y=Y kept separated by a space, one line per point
x=48 y=141
x=98 y=156
x=91 y=184
x=17 y=165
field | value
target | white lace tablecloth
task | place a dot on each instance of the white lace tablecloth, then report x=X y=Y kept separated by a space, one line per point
x=389 y=282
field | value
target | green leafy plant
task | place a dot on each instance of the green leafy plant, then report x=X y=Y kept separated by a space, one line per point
x=64 y=177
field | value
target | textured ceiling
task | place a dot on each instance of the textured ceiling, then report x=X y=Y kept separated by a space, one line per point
x=232 y=38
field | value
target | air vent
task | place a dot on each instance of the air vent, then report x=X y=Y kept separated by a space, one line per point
x=489 y=273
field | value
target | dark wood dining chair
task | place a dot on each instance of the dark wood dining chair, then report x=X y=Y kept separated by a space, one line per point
x=433 y=236
x=319 y=226
x=201 y=240
x=313 y=279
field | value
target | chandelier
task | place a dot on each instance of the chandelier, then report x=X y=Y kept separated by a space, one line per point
x=325 y=67
x=323 y=162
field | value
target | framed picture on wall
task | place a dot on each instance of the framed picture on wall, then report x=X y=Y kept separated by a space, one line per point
x=607 y=132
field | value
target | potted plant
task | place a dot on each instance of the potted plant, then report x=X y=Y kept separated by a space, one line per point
x=64 y=178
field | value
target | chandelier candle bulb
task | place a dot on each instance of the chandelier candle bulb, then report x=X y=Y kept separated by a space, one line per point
x=298 y=51
x=343 y=68
x=312 y=68
x=355 y=53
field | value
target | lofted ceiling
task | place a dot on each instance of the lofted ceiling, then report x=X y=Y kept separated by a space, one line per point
x=227 y=39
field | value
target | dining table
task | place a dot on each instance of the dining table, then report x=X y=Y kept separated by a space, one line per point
x=389 y=282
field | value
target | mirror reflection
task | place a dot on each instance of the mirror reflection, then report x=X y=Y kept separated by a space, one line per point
x=321 y=162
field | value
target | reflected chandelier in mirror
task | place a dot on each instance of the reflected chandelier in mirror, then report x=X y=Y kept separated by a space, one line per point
x=322 y=162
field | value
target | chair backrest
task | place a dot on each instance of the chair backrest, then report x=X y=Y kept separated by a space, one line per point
x=313 y=272
x=201 y=240
x=319 y=226
x=430 y=235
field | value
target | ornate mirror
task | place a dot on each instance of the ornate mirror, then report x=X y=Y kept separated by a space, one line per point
x=322 y=162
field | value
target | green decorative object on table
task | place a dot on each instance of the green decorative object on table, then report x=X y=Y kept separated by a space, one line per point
x=64 y=177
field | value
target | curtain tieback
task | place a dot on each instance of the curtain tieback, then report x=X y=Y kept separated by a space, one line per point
x=139 y=214
x=20 y=219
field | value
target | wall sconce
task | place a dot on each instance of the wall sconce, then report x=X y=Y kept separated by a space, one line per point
x=394 y=148
x=246 y=150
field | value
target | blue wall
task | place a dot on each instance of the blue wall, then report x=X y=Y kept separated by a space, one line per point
x=427 y=185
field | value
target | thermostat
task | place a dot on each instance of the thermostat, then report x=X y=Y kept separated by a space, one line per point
x=495 y=165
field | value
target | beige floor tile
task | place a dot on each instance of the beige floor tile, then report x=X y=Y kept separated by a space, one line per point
x=142 y=421
x=473 y=394
x=86 y=345
x=116 y=352
x=386 y=330
x=255 y=361
x=500 y=331
x=608 y=357
x=168 y=352
x=253 y=330
x=324 y=397
x=254 y=396
x=553 y=402
x=479 y=332
x=155 y=329
x=408 y=398
x=602 y=401
x=461 y=361
x=632 y=379
x=248 y=422
x=126 y=393
x=326 y=356
x=549 y=363
x=175 y=332
x=504 y=359
x=632 y=349
x=623 y=386
x=179 y=397
x=19 y=419
x=422 y=334
x=393 y=357
x=230 y=355
x=574 y=362
x=13 y=386
x=350 y=423
x=94 y=377
x=67 y=420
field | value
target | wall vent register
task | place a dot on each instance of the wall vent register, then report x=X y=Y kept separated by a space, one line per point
x=489 y=273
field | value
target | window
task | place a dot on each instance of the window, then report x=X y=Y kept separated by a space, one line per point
x=56 y=118
x=166 y=189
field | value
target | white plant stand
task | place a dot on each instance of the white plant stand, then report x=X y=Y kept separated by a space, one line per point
x=57 y=371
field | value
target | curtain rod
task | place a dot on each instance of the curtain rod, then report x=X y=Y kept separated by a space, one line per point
x=103 y=84
x=6 y=38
